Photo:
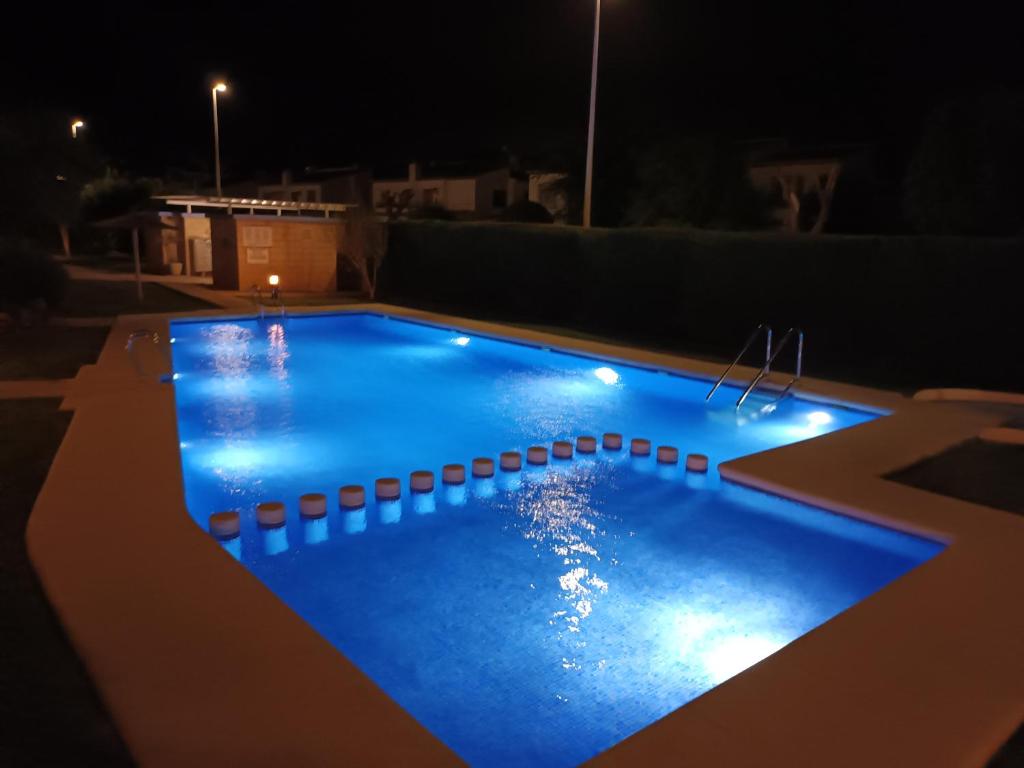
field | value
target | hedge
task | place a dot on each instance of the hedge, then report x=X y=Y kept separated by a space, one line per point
x=901 y=311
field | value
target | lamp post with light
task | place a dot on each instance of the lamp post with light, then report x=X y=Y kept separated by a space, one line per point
x=75 y=126
x=217 y=88
x=589 y=179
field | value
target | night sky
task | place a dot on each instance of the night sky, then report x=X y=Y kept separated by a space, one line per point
x=386 y=82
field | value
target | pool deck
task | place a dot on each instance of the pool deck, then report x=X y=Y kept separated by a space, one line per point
x=200 y=664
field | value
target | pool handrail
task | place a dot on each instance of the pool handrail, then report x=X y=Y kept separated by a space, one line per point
x=750 y=340
x=771 y=359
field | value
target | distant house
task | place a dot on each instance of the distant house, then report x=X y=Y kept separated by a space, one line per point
x=467 y=190
x=349 y=186
x=792 y=175
x=459 y=189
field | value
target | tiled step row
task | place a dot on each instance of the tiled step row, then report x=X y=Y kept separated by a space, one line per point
x=271 y=514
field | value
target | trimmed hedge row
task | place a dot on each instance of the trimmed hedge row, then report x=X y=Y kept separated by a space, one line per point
x=898 y=311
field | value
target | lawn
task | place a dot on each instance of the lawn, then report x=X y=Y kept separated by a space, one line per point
x=48 y=352
x=106 y=298
x=50 y=712
x=976 y=471
x=57 y=352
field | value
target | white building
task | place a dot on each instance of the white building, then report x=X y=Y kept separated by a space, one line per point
x=479 y=195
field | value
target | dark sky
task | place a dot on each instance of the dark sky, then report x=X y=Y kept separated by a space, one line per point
x=375 y=82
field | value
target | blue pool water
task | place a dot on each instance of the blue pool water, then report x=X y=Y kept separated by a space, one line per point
x=539 y=617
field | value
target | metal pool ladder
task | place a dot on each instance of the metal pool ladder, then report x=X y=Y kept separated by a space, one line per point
x=257 y=299
x=142 y=334
x=770 y=354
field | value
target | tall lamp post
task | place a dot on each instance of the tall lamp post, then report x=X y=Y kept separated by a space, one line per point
x=217 y=88
x=75 y=125
x=589 y=180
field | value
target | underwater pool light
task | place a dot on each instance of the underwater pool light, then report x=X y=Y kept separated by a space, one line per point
x=818 y=418
x=461 y=340
x=607 y=375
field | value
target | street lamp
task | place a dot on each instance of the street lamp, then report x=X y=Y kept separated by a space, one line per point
x=589 y=180
x=75 y=125
x=217 y=88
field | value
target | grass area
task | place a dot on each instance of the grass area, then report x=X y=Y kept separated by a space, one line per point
x=111 y=262
x=103 y=298
x=48 y=352
x=50 y=712
x=976 y=471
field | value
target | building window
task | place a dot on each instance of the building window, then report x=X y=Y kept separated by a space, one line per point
x=499 y=198
x=297 y=196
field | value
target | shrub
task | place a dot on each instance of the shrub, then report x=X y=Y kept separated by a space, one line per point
x=527 y=212
x=29 y=276
x=945 y=306
x=431 y=212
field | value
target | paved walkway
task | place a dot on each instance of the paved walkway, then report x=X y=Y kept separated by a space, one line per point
x=79 y=272
x=13 y=389
x=81 y=322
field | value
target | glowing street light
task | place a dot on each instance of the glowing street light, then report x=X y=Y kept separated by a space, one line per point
x=588 y=182
x=217 y=88
x=75 y=125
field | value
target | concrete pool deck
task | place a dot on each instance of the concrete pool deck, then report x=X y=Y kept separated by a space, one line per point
x=200 y=664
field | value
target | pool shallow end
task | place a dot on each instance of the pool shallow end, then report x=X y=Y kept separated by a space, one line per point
x=920 y=673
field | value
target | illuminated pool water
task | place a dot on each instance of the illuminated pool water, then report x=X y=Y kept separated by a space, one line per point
x=540 y=617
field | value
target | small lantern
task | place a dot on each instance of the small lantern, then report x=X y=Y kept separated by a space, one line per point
x=274 y=281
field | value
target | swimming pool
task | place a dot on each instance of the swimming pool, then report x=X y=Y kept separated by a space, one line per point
x=539 y=617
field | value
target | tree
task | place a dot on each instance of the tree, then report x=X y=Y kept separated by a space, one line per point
x=365 y=246
x=395 y=205
x=695 y=181
x=965 y=176
x=44 y=170
x=797 y=192
x=112 y=195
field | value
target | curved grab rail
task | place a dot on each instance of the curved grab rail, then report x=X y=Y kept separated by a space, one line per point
x=750 y=340
x=771 y=359
x=141 y=334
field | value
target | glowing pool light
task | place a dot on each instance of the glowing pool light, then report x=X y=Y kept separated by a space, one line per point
x=461 y=340
x=818 y=418
x=735 y=654
x=607 y=375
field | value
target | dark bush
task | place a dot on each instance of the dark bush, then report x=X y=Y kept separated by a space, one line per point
x=113 y=195
x=923 y=311
x=964 y=178
x=527 y=212
x=432 y=212
x=29 y=276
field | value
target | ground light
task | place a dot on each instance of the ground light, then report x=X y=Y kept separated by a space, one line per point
x=274 y=281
